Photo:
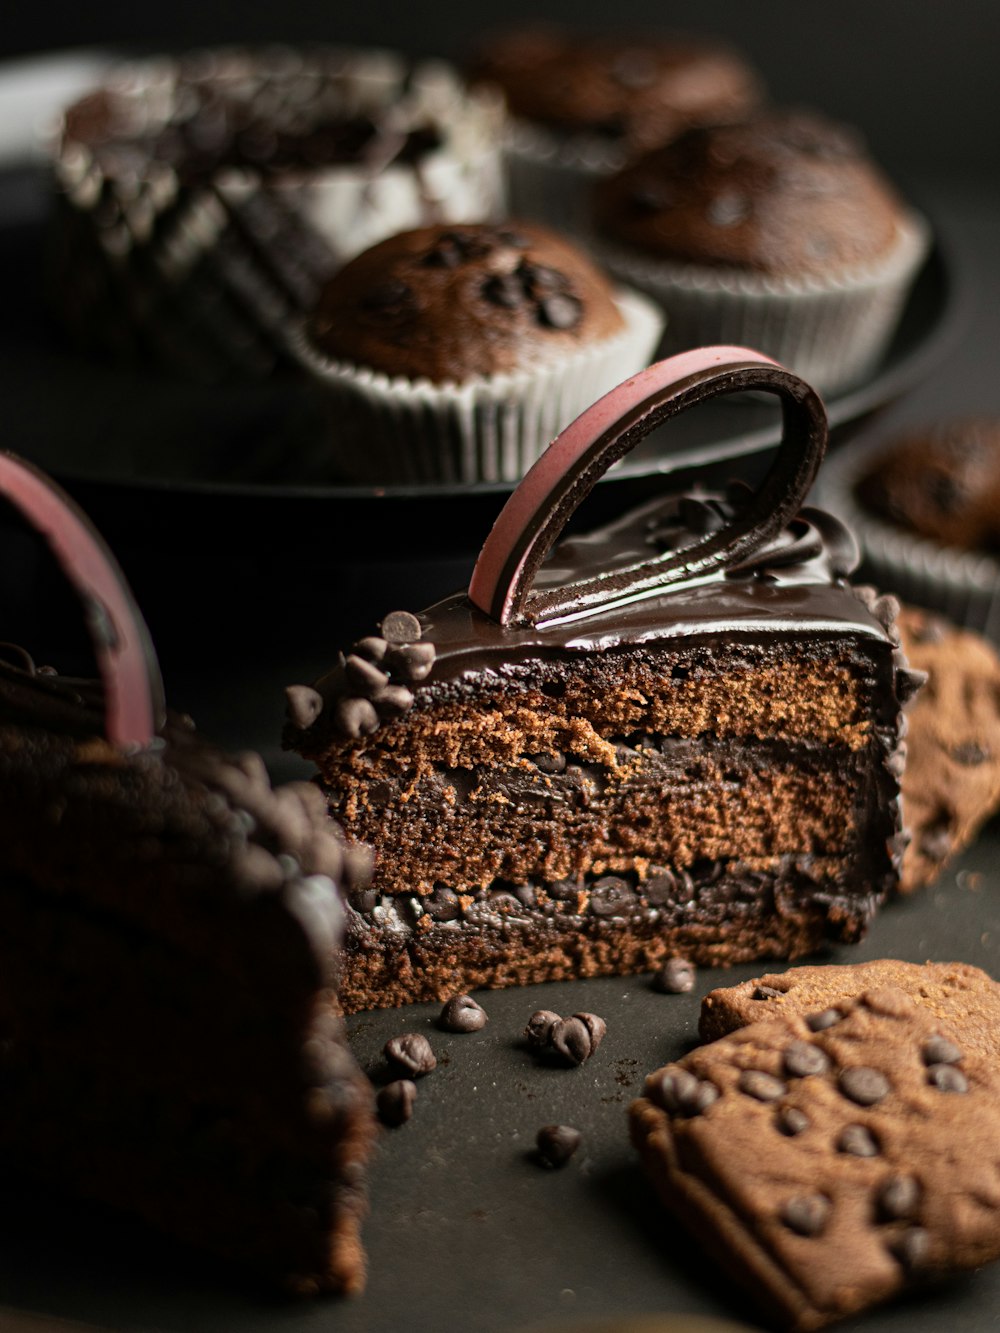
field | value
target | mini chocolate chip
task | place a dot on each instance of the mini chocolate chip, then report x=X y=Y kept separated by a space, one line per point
x=661 y=889
x=596 y=1026
x=897 y=1198
x=970 y=754
x=939 y=1050
x=764 y=1087
x=504 y=290
x=549 y=763
x=766 y=993
x=577 y=1038
x=610 y=896
x=516 y=239
x=675 y=977
x=364 y=676
x=463 y=1014
x=371 y=648
x=557 y=1143
x=910 y=1247
x=393 y=701
x=679 y=1092
x=858 y=1141
x=560 y=311
x=539 y=1029
x=802 y=1060
x=570 y=1039
x=946 y=1078
x=355 y=717
x=410 y=661
x=411 y=1053
x=395 y=1101
x=304 y=705
x=400 y=627
x=864 y=1085
x=791 y=1121
x=806 y=1214
x=444 y=905
x=365 y=901
x=821 y=1021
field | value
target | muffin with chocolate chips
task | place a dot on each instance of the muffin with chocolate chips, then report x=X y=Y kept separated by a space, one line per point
x=580 y=105
x=925 y=504
x=458 y=353
x=777 y=233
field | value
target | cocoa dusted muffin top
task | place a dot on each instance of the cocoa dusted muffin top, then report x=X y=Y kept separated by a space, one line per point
x=786 y=193
x=644 y=91
x=942 y=483
x=449 y=303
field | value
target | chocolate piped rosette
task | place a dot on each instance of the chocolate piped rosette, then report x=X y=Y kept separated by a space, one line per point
x=166 y=961
x=201 y=202
x=678 y=734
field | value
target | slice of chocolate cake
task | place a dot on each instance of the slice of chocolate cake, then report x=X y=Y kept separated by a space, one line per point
x=679 y=734
x=169 y=1038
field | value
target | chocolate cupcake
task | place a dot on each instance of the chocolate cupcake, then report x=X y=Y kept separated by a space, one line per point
x=926 y=508
x=777 y=232
x=582 y=105
x=201 y=203
x=457 y=353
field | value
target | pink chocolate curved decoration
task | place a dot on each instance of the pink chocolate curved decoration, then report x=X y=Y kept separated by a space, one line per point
x=133 y=689
x=563 y=476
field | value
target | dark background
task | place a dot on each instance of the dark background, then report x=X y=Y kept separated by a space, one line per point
x=921 y=79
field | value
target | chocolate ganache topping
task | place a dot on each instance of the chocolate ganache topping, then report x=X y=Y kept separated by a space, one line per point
x=691 y=567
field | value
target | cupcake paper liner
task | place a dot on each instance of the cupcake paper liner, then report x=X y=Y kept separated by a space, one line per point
x=962 y=585
x=551 y=177
x=831 y=331
x=385 y=430
x=203 y=276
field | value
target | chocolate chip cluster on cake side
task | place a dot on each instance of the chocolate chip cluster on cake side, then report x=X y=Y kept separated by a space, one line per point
x=170 y=1039
x=684 y=738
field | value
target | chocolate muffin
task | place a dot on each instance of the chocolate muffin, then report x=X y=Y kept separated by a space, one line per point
x=201 y=202
x=942 y=483
x=925 y=504
x=581 y=104
x=491 y=336
x=778 y=231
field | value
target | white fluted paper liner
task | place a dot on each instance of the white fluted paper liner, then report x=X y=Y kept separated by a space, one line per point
x=384 y=430
x=962 y=585
x=832 y=331
x=551 y=176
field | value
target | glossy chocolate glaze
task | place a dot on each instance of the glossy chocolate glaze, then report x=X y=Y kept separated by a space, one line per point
x=790 y=588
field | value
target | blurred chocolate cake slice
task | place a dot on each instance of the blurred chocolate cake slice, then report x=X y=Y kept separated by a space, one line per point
x=171 y=1040
x=201 y=202
x=678 y=734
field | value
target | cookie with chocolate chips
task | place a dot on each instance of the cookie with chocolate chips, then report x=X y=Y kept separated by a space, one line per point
x=952 y=781
x=962 y=998
x=829 y=1166
x=449 y=303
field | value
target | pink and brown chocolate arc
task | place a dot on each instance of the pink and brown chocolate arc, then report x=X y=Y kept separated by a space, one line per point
x=168 y=1039
x=679 y=733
